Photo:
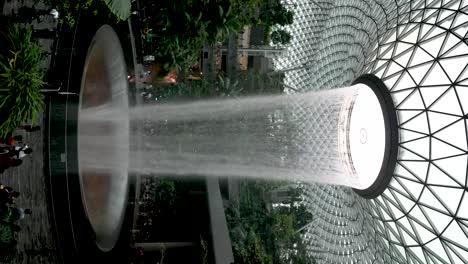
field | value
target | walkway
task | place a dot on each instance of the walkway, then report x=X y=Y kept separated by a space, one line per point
x=35 y=240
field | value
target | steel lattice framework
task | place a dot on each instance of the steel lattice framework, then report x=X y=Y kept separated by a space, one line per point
x=420 y=50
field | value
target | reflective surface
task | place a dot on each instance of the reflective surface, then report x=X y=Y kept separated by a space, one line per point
x=104 y=88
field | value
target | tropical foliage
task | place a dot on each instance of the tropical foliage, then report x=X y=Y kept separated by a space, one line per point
x=120 y=8
x=180 y=28
x=20 y=78
x=280 y=37
x=264 y=234
x=70 y=9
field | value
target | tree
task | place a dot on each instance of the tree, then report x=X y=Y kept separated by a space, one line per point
x=280 y=37
x=275 y=228
x=274 y=13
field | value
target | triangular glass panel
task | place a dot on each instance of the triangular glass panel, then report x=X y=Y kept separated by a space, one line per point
x=454 y=66
x=438 y=121
x=417 y=216
x=440 y=150
x=459 y=256
x=462 y=93
x=446 y=23
x=393 y=231
x=454 y=235
x=379 y=72
x=463 y=77
x=399 y=96
x=450 y=42
x=403 y=30
x=455 y=167
x=390 y=81
x=459 y=49
x=454 y=134
x=407 y=155
x=463 y=212
x=380 y=64
x=437 y=249
x=420 y=56
x=448 y=103
x=443 y=14
x=418 y=254
x=396 y=210
x=431 y=4
x=453 y=5
x=408 y=235
x=411 y=36
x=431 y=93
x=429 y=200
x=402 y=172
x=460 y=31
x=436 y=76
x=395 y=186
x=433 y=44
x=424 y=31
x=392 y=37
x=403 y=58
x=383 y=213
x=386 y=51
x=424 y=234
x=420 y=147
x=438 y=177
x=393 y=68
x=419 y=72
x=417 y=168
x=418 y=124
x=406 y=135
x=404 y=82
x=413 y=189
x=429 y=13
x=405 y=115
x=416 y=15
x=406 y=203
x=450 y=197
x=413 y=101
x=461 y=18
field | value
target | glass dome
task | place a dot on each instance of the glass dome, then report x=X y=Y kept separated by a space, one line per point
x=418 y=49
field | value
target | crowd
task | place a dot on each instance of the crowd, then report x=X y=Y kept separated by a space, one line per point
x=12 y=152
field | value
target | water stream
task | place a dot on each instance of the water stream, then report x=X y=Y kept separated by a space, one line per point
x=293 y=137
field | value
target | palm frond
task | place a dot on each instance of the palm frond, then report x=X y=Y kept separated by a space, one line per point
x=120 y=8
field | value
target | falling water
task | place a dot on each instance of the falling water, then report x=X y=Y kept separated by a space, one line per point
x=296 y=137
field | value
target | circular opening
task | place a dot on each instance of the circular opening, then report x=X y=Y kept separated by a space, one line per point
x=367 y=136
x=373 y=136
x=103 y=143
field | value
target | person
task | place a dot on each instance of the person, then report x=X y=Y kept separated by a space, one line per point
x=10 y=139
x=28 y=14
x=8 y=195
x=15 y=214
x=19 y=152
x=8 y=162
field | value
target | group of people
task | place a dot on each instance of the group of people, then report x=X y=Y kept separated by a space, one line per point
x=10 y=214
x=12 y=151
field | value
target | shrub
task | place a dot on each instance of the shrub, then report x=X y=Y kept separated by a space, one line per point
x=21 y=78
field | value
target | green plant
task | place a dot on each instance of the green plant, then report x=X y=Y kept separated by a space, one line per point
x=120 y=8
x=280 y=37
x=7 y=243
x=204 y=249
x=20 y=77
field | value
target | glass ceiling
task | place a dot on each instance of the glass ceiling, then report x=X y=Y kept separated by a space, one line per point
x=419 y=49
